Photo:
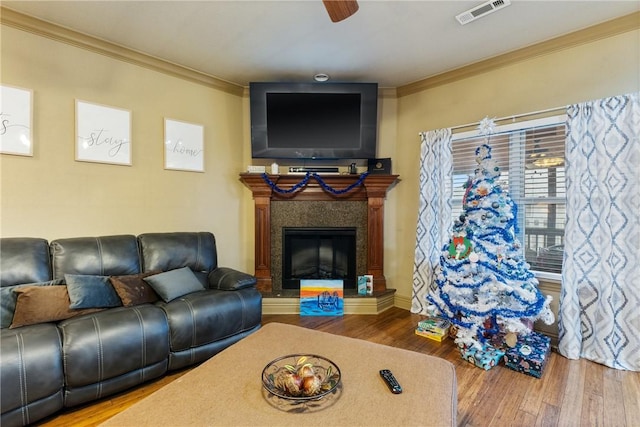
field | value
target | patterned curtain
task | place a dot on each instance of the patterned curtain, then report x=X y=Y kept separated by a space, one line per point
x=434 y=212
x=600 y=299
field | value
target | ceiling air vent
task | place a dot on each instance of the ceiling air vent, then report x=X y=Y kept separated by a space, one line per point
x=481 y=10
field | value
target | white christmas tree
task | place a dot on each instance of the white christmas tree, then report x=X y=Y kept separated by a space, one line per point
x=483 y=283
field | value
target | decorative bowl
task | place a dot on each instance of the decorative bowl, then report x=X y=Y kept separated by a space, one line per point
x=301 y=377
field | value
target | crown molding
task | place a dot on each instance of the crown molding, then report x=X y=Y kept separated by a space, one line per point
x=607 y=29
x=61 y=34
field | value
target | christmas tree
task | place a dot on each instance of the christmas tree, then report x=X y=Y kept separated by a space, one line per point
x=483 y=284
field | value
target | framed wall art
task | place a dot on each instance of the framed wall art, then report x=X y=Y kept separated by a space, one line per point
x=103 y=134
x=183 y=146
x=16 y=117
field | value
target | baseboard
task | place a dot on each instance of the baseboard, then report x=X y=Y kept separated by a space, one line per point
x=280 y=305
x=402 y=302
x=368 y=305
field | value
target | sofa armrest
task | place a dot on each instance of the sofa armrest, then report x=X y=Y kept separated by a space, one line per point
x=228 y=279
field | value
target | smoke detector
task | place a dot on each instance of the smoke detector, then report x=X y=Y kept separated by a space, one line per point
x=481 y=10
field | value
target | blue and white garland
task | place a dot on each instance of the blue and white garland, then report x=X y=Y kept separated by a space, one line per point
x=484 y=286
x=305 y=180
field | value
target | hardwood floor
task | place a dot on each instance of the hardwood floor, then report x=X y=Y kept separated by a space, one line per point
x=570 y=392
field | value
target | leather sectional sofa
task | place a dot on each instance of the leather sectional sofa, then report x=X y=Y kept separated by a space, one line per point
x=175 y=308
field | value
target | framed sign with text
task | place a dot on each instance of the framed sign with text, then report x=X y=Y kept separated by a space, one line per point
x=103 y=134
x=183 y=146
x=15 y=121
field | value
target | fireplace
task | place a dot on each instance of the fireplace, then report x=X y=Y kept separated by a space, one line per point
x=318 y=253
x=318 y=215
x=362 y=206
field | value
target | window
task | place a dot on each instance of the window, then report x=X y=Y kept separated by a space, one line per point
x=531 y=159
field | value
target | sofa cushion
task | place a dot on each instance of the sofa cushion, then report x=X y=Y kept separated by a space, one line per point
x=112 y=350
x=31 y=374
x=91 y=291
x=8 y=300
x=174 y=283
x=132 y=290
x=203 y=323
x=24 y=260
x=41 y=304
x=97 y=256
x=168 y=251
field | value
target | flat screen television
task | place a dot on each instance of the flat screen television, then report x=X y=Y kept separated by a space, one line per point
x=313 y=120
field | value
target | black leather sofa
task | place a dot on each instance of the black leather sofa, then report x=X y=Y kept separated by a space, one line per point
x=47 y=366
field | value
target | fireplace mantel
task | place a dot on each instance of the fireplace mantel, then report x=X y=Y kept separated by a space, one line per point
x=373 y=189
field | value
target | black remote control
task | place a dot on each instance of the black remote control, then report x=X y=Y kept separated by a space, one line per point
x=391 y=381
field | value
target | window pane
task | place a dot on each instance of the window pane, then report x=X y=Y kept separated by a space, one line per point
x=548 y=182
x=531 y=161
x=544 y=236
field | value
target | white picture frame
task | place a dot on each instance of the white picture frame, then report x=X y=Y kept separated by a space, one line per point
x=103 y=134
x=16 y=118
x=183 y=146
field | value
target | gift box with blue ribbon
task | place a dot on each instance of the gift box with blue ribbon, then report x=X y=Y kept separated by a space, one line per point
x=529 y=355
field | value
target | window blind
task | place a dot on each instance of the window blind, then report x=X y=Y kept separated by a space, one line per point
x=530 y=155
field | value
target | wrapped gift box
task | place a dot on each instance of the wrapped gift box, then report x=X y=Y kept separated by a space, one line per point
x=485 y=358
x=530 y=354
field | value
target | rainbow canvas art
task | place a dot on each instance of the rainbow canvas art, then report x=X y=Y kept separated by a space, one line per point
x=321 y=297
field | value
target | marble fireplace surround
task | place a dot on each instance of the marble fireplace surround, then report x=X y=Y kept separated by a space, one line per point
x=311 y=213
x=312 y=206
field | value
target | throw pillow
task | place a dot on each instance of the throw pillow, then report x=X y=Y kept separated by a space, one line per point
x=132 y=290
x=8 y=300
x=174 y=283
x=41 y=304
x=91 y=291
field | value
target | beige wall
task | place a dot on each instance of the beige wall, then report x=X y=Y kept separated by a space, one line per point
x=51 y=195
x=602 y=68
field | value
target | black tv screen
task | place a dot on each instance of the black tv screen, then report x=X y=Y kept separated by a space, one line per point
x=313 y=120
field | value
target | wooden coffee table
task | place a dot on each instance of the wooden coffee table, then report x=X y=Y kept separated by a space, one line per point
x=227 y=390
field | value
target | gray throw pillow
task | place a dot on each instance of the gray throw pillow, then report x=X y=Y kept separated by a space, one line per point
x=8 y=300
x=91 y=291
x=174 y=283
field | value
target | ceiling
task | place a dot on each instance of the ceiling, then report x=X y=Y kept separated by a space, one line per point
x=393 y=43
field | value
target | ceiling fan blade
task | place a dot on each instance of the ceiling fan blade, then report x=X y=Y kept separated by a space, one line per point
x=340 y=9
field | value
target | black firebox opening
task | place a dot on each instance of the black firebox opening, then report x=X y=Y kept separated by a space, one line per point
x=319 y=253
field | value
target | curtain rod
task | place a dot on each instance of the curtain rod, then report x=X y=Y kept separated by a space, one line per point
x=514 y=117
